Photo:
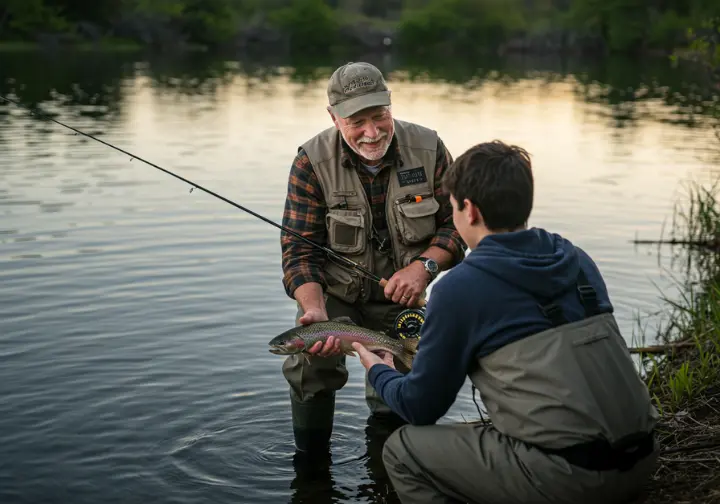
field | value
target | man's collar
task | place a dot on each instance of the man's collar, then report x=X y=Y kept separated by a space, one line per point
x=349 y=159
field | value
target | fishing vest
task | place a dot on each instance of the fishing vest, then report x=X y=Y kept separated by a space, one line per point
x=570 y=386
x=349 y=219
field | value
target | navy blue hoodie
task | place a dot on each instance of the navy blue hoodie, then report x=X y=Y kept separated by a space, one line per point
x=487 y=301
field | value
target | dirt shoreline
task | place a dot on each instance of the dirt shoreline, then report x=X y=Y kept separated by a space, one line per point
x=689 y=468
x=689 y=437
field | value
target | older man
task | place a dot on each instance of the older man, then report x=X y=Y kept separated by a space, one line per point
x=353 y=187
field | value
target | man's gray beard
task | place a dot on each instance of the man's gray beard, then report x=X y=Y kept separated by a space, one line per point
x=357 y=151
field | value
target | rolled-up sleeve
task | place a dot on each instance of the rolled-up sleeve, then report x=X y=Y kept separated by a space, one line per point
x=304 y=213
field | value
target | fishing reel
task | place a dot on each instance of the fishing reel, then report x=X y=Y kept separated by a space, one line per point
x=408 y=323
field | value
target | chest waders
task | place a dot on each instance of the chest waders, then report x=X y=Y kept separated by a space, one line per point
x=572 y=422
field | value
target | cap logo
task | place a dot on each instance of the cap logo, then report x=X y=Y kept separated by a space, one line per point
x=360 y=82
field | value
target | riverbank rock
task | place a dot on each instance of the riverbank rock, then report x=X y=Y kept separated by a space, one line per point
x=369 y=37
x=258 y=34
x=156 y=31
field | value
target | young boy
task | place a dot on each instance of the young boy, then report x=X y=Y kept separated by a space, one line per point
x=527 y=317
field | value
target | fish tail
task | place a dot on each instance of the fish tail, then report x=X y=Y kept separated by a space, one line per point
x=406 y=358
x=410 y=344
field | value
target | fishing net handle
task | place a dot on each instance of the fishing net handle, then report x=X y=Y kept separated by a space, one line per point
x=420 y=303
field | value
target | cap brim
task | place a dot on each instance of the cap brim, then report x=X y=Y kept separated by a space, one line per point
x=349 y=107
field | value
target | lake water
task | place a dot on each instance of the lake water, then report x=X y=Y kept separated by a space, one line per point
x=135 y=315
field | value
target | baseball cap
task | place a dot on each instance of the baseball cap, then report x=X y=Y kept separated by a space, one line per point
x=356 y=86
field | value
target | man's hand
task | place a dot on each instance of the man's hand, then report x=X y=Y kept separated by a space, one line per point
x=313 y=315
x=368 y=359
x=331 y=347
x=407 y=285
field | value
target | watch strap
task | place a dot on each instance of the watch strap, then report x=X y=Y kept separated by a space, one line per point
x=424 y=259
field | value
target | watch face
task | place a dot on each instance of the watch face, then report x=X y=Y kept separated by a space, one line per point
x=431 y=265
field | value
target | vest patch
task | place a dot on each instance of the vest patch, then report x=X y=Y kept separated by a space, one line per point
x=411 y=176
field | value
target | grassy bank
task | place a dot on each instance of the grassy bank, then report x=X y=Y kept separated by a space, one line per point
x=683 y=373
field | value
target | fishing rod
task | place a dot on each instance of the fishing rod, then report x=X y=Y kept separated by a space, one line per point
x=406 y=321
x=194 y=185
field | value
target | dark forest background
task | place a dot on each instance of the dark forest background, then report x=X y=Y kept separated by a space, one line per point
x=412 y=26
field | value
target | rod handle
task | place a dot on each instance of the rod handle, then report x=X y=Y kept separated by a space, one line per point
x=420 y=302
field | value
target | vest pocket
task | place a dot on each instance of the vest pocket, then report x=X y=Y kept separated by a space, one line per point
x=416 y=220
x=346 y=231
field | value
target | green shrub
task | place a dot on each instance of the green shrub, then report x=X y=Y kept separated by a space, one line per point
x=27 y=18
x=461 y=24
x=667 y=30
x=311 y=25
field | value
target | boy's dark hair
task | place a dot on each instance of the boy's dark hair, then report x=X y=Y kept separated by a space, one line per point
x=498 y=179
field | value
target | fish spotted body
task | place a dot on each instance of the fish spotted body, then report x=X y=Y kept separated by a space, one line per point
x=301 y=338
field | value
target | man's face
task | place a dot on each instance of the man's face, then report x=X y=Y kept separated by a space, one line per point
x=368 y=132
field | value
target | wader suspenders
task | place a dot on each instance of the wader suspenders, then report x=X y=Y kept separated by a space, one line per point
x=597 y=455
x=587 y=294
x=554 y=313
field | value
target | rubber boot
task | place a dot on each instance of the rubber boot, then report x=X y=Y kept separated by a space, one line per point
x=313 y=421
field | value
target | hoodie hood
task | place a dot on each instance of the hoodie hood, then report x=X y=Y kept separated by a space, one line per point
x=541 y=263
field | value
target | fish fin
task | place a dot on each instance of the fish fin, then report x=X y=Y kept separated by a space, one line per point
x=351 y=353
x=344 y=319
x=410 y=344
x=307 y=358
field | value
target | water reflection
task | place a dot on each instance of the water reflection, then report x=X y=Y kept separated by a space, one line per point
x=194 y=74
x=91 y=85
x=379 y=489
x=315 y=483
x=88 y=85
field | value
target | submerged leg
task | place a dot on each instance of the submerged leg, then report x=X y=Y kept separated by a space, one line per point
x=313 y=382
x=380 y=317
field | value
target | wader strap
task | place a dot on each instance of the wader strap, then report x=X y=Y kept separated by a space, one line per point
x=554 y=313
x=588 y=296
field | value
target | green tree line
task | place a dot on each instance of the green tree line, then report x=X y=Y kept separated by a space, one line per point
x=417 y=26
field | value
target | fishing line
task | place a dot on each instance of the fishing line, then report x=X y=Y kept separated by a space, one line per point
x=408 y=322
x=343 y=260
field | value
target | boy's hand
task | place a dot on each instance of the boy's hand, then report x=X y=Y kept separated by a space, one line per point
x=368 y=359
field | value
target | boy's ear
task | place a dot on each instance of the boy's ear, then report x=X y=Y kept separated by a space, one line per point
x=474 y=215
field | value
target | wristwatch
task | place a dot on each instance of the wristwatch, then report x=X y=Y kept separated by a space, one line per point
x=430 y=266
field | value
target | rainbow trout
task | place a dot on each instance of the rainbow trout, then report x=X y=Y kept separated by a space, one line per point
x=300 y=338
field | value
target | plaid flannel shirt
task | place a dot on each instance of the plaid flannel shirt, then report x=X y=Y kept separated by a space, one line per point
x=305 y=210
